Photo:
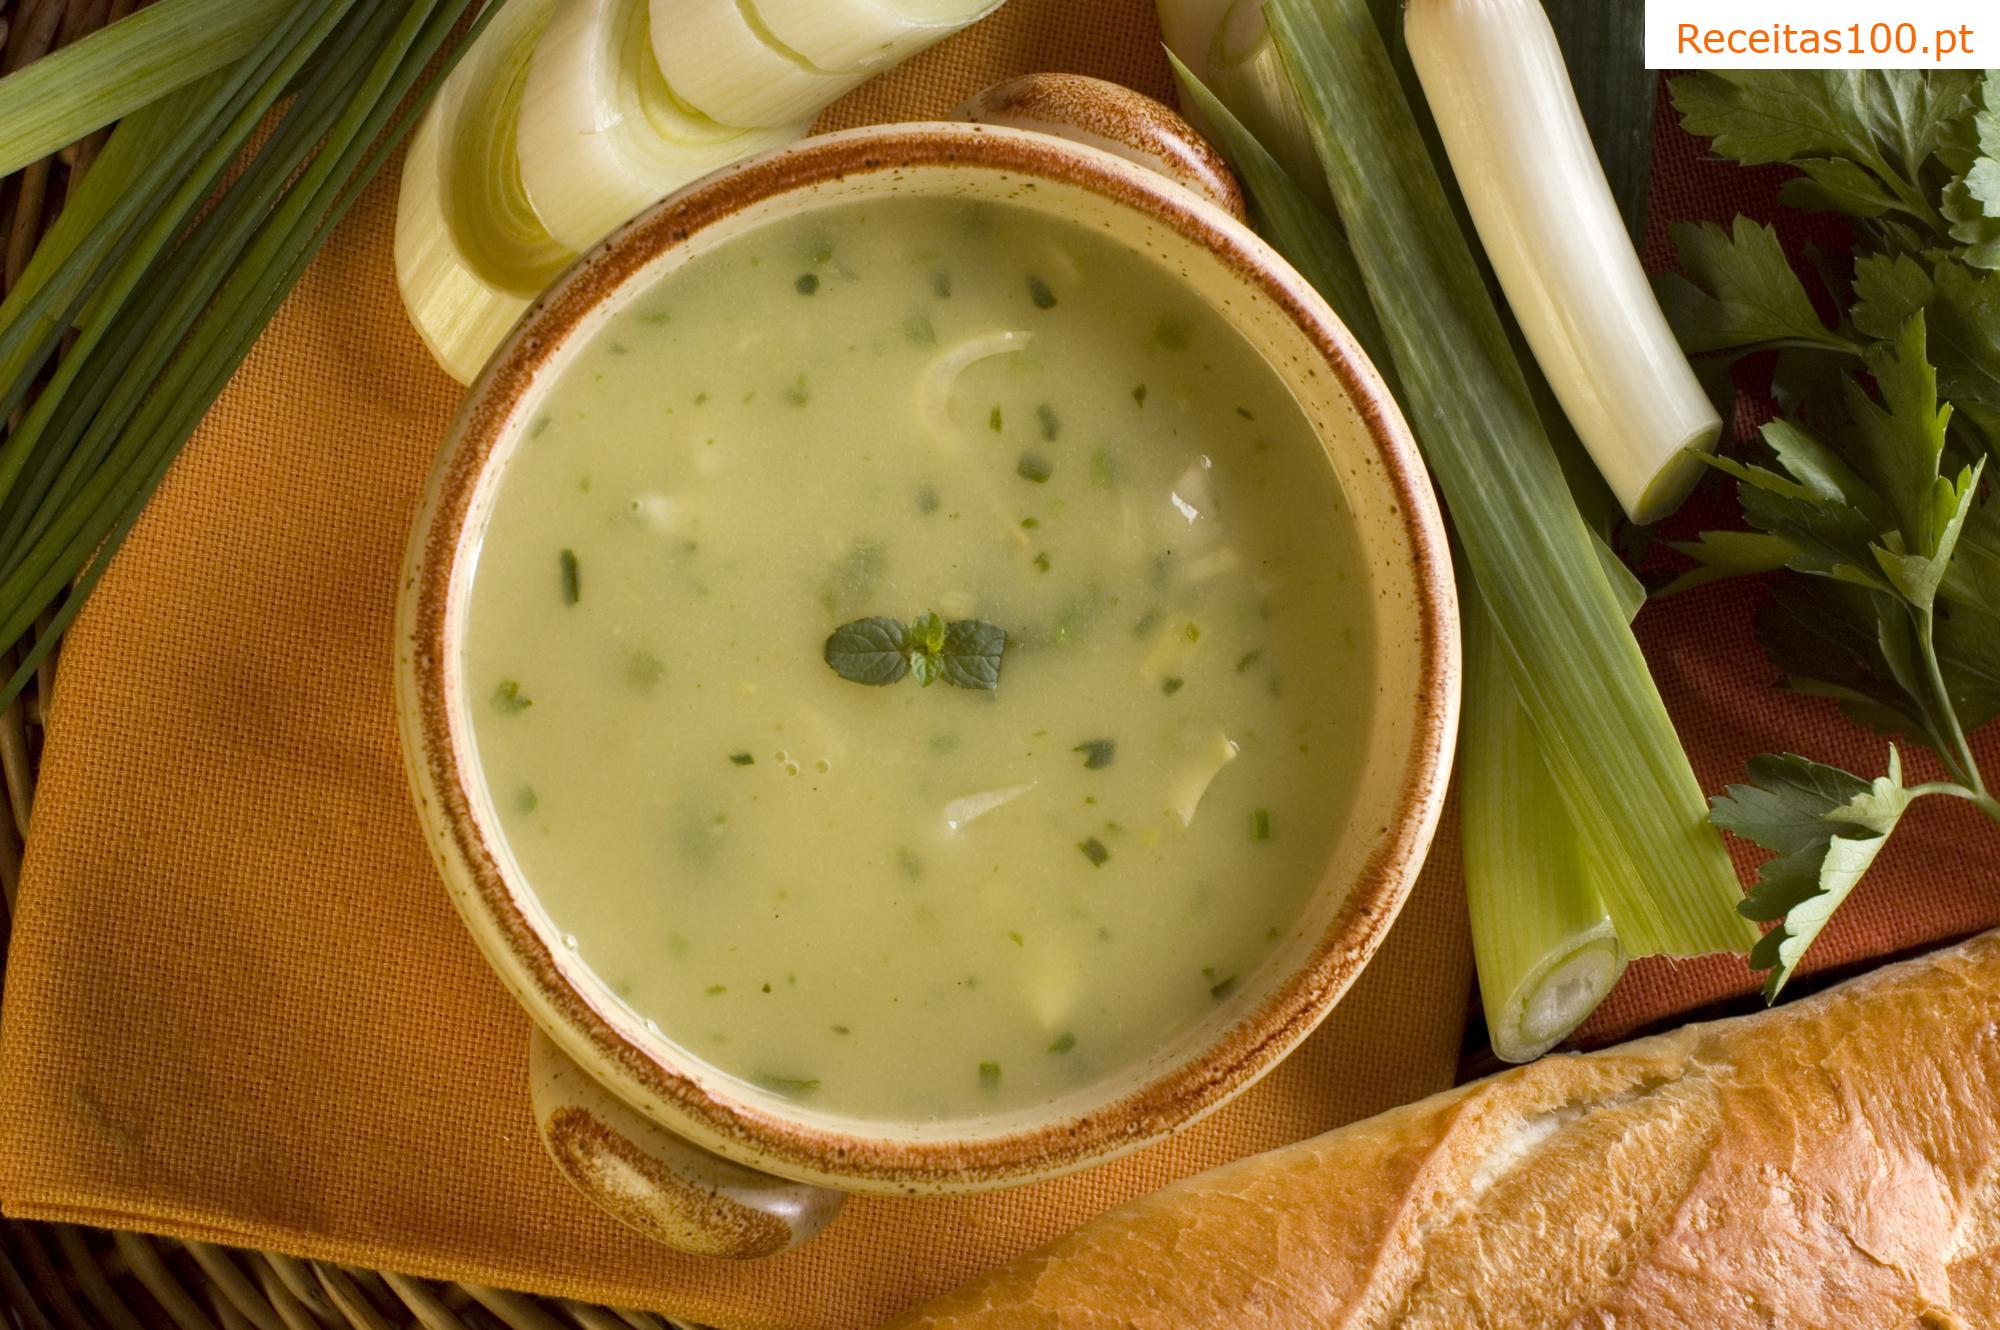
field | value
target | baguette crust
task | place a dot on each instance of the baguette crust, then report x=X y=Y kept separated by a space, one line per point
x=1830 y=1165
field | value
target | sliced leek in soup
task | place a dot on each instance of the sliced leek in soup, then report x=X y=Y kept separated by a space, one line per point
x=906 y=868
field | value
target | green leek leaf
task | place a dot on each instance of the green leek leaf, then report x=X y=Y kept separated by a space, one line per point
x=131 y=63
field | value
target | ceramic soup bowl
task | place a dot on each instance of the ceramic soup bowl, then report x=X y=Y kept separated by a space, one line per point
x=714 y=1165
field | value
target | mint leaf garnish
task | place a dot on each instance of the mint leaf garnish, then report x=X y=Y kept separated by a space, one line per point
x=926 y=648
x=872 y=651
x=877 y=651
x=972 y=651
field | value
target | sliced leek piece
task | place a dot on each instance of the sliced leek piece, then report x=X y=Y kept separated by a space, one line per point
x=470 y=251
x=719 y=58
x=967 y=809
x=601 y=134
x=866 y=34
x=1498 y=88
x=1200 y=764
x=1173 y=649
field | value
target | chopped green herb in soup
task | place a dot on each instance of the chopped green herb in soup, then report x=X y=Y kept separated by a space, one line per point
x=909 y=708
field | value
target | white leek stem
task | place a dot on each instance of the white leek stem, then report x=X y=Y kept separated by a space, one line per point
x=1500 y=93
x=719 y=57
x=602 y=136
x=866 y=34
x=470 y=251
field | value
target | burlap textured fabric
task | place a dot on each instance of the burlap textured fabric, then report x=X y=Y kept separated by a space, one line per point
x=239 y=1007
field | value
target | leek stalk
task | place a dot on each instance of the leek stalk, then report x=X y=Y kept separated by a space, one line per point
x=1623 y=776
x=1545 y=946
x=121 y=67
x=1501 y=97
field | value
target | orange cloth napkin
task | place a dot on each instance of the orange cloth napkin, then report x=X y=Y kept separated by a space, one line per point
x=239 y=1006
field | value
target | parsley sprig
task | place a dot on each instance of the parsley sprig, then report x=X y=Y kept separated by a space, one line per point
x=1871 y=490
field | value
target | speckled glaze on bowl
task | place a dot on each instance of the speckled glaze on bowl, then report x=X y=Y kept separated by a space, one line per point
x=1406 y=751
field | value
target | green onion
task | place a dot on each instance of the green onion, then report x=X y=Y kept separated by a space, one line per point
x=166 y=310
x=1612 y=749
x=120 y=68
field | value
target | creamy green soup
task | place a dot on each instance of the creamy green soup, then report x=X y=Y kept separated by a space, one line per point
x=898 y=901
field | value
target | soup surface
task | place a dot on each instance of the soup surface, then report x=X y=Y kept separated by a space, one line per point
x=905 y=902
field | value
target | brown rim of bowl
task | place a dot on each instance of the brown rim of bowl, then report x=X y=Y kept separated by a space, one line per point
x=1294 y=1006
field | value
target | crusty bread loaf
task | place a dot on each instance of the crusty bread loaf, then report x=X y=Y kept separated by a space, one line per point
x=1828 y=1164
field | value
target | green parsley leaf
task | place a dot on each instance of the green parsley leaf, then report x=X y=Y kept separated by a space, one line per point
x=1034 y=467
x=1724 y=554
x=1971 y=201
x=1825 y=828
x=1740 y=291
x=1038 y=291
x=1972 y=581
x=1830 y=638
x=1097 y=753
x=1837 y=184
x=1064 y=1042
x=1903 y=439
x=872 y=651
x=1093 y=850
x=989 y=1075
x=508 y=699
x=572 y=579
x=1961 y=309
x=1968 y=649
x=790 y=1086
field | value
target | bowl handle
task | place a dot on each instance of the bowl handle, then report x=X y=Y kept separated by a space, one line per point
x=1116 y=119
x=651 y=1180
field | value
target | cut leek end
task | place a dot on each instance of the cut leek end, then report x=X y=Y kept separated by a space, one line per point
x=864 y=34
x=721 y=59
x=470 y=251
x=1677 y=476
x=459 y=314
x=1548 y=1002
x=603 y=136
